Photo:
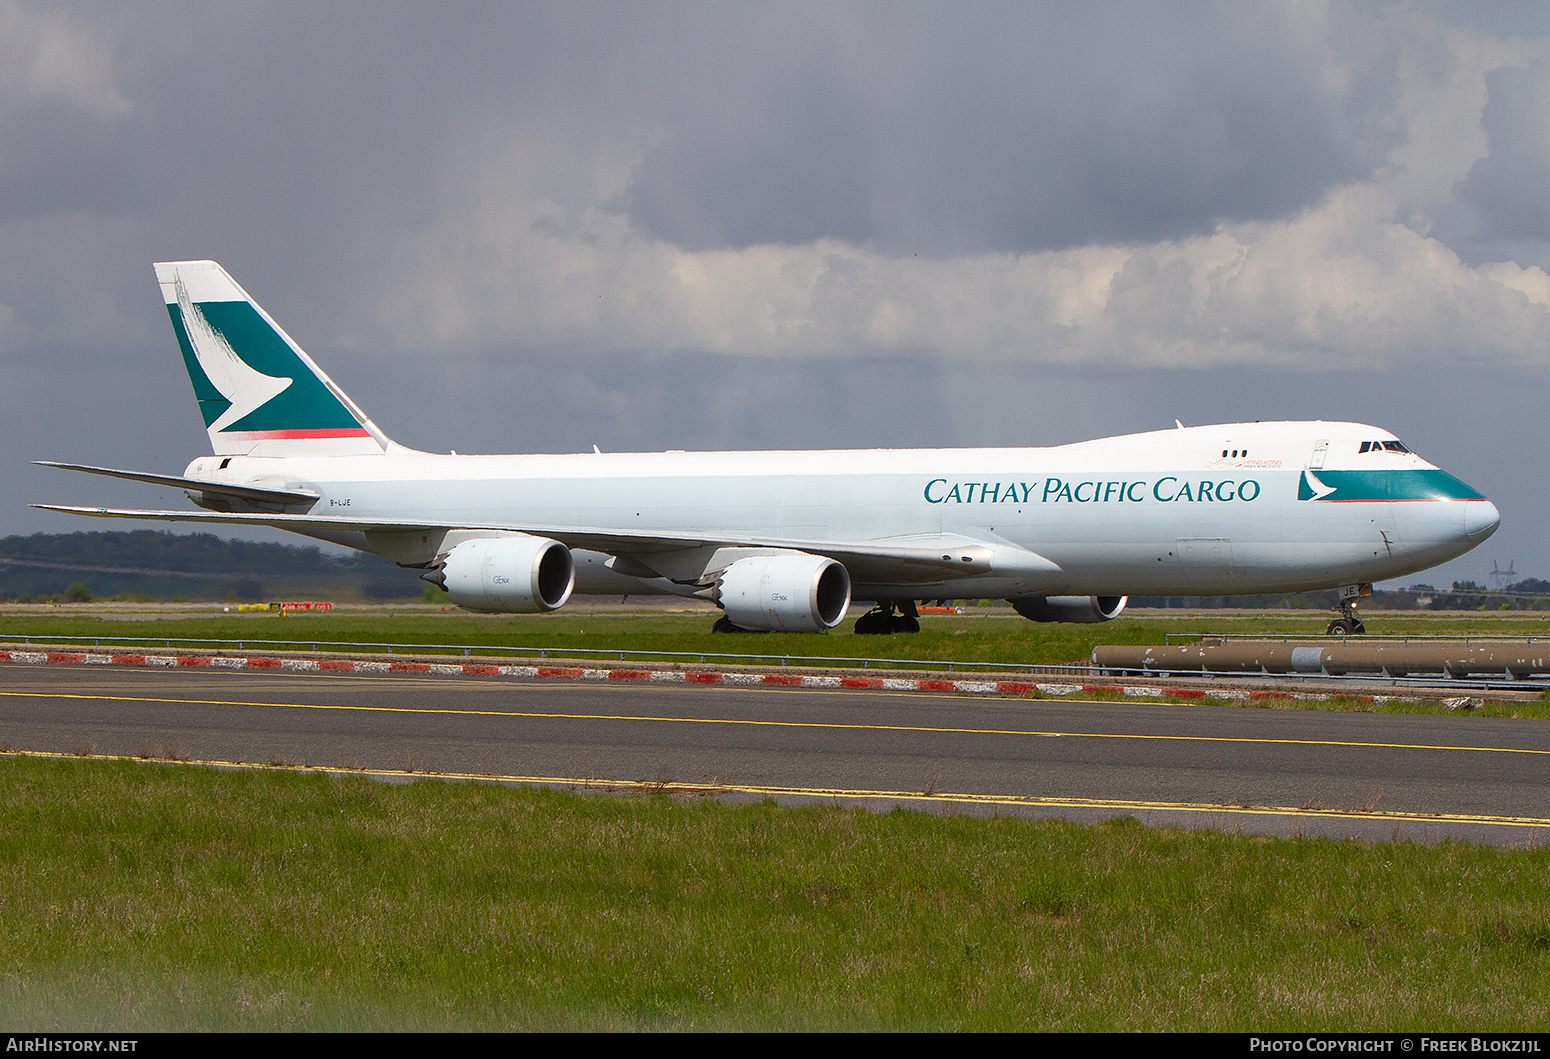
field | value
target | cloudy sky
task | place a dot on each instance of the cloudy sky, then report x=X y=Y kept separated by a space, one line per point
x=536 y=227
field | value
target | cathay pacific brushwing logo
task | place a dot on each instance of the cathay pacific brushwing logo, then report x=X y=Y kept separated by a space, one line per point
x=1312 y=488
x=245 y=387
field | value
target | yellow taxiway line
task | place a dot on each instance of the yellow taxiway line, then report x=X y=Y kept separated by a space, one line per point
x=765 y=723
x=1010 y=801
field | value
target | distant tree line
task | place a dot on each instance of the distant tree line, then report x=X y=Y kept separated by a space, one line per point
x=153 y=565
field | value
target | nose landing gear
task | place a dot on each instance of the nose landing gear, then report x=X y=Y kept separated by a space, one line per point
x=1348 y=624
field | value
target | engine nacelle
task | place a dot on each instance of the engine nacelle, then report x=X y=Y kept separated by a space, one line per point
x=508 y=575
x=791 y=592
x=1070 y=608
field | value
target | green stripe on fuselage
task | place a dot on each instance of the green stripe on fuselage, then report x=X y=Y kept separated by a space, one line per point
x=1386 y=486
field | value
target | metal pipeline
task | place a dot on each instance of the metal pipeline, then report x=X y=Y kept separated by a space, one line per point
x=1332 y=659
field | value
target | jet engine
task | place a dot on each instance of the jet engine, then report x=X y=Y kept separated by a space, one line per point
x=507 y=575
x=1070 y=608
x=790 y=592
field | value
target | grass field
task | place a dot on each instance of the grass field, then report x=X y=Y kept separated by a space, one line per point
x=137 y=896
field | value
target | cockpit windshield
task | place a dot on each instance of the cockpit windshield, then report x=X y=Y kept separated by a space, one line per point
x=1384 y=446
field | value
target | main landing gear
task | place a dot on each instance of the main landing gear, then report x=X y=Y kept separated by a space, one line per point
x=887 y=618
x=1348 y=624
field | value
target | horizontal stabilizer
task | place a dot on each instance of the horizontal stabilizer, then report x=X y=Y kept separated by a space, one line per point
x=245 y=492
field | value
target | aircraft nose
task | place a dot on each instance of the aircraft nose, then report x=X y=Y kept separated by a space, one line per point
x=1480 y=520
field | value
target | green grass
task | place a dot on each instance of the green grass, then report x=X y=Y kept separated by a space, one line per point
x=140 y=896
x=1002 y=639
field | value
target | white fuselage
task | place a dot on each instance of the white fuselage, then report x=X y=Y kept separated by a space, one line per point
x=1158 y=513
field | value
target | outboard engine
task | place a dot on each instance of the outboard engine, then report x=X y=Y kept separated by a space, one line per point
x=1087 y=609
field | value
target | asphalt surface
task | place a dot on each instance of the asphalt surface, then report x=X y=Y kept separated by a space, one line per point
x=1268 y=771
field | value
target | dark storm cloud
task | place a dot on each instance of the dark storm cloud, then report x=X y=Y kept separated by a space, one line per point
x=916 y=129
x=1018 y=127
x=1507 y=188
x=321 y=151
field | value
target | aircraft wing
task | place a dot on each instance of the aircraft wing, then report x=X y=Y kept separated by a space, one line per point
x=924 y=558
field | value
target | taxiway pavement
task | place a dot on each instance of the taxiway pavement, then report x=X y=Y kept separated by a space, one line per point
x=1270 y=771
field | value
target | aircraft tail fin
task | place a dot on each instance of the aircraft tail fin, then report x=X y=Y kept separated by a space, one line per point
x=259 y=394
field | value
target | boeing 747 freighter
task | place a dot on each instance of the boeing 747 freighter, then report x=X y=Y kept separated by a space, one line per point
x=786 y=540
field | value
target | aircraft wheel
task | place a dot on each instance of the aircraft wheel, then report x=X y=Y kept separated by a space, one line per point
x=1344 y=627
x=723 y=624
x=905 y=623
x=873 y=623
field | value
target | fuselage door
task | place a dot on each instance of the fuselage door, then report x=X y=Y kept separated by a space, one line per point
x=1320 y=450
